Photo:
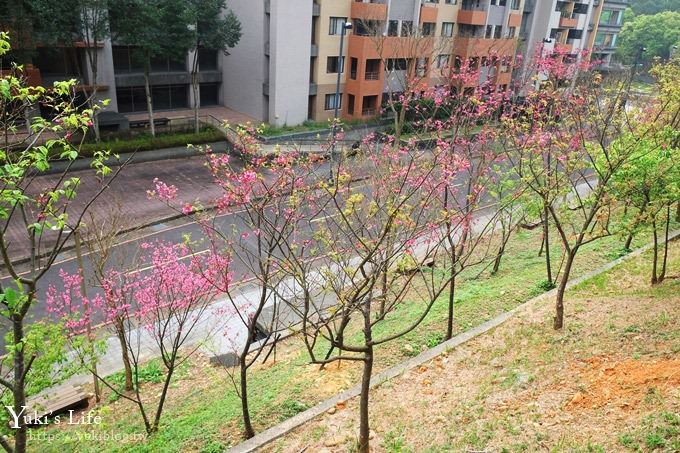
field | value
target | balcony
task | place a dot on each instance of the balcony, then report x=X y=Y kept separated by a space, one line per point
x=368 y=11
x=428 y=13
x=471 y=17
x=470 y=47
x=568 y=22
x=515 y=20
x=562 y=48
x=30 y=73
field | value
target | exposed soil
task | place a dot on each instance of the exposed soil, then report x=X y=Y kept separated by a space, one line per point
x=525 y=387
x=624 y=384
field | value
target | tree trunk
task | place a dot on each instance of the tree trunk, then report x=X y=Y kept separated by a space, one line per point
x=120 y=333
x=664 y=261
x=383 y=293
x=149 y=101
x=195 y=89
x=629 y=241
x=364 y=426
x=243 y=382
x=501 y=251
x=164 y=395
x=655 y=256
x=452 y=298
x=677 y=212
x=558 y=321
x=19 y=390
x=95 y=119
x=546 y=241
x=245 y=410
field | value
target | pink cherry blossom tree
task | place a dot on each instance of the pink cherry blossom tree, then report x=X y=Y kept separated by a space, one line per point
x=562 y=144
x=265 y=202
x=163 y=305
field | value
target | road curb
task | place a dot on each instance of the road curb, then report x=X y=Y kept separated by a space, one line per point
x=277 y=431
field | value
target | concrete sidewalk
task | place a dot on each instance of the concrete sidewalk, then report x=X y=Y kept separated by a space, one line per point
x=127 y=193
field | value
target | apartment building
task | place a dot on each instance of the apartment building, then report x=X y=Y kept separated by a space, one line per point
x=285 y=67
x=603 y=31
x=555 y=24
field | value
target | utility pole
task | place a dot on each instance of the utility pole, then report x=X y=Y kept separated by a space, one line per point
x=341 y=69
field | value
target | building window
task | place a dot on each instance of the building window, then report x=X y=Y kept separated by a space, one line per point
x=168 y=64
x=406 y=28
x=605 y=39
x=372 y=69
x=421 y=67
x=127 y=60
x=336 y=25
x=450 y=2
x=354 y=64
x=207 y=59
x=350 y=104
x=165 y=97
x=210 y=94
x=512 y=31
x=443 y=61
x=609 y=17
x=429 y=28
x=505 y=64
x=514 y=4
x=330 y=102
x=170 y=97
x=497 y=32
x=489 y=31
x=397 y=64
x=447 y=29
x=393 y=28
x=335 y=65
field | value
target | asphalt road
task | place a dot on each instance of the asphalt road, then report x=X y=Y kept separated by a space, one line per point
x=126 y=253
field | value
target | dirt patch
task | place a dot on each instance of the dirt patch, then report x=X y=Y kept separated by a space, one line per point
x=624 y=384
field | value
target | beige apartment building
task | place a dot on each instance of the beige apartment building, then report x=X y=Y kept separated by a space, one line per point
x=285 y=68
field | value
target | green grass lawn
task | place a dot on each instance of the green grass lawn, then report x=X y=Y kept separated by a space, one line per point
x=203 y=413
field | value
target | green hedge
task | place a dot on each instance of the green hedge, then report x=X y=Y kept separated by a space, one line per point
x=146 y=142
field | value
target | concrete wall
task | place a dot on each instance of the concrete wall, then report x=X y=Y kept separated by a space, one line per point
x=290 y=53
x=403 y=9
x=105 y=76
x=243 y=70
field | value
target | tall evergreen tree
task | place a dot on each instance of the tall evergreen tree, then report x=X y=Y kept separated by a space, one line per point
x=215 y=27
x=152 y=28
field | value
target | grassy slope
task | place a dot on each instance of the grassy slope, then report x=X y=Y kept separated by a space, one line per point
x=203 y=412
x=608 y=382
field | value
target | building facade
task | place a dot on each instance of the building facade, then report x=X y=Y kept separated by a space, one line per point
x=604 y=29
x=284 y=69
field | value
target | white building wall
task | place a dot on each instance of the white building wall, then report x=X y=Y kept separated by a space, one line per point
x=244 y=69
x=289 y=62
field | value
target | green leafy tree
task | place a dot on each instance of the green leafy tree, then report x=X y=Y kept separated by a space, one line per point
x=654 y=6
x=657 y=33
x=48 y=217
x=153 y=28
x=215 y=27
x=649 y=182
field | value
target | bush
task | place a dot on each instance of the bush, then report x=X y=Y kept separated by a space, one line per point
x=146 y=142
